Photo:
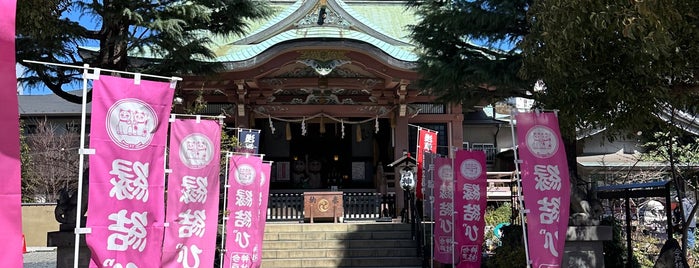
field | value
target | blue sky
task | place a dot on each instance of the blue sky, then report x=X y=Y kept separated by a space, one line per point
x=73 y=16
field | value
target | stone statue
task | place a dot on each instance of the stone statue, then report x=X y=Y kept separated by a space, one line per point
x=66 y=207
x=315 y=167
x=298 y=173
x=585 y=208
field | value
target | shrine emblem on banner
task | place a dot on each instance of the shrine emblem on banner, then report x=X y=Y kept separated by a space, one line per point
x=545 y=186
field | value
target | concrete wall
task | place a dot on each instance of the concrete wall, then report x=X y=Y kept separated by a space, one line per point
x=37 y=220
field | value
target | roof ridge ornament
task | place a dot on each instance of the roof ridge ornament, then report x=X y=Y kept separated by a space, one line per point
x=323 y=15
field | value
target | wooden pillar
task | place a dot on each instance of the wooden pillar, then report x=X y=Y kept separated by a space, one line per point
x=240 y=99
x=455 y=128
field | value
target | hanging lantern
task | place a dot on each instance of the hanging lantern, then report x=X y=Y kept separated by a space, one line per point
x=288 y=131
x=407 y=178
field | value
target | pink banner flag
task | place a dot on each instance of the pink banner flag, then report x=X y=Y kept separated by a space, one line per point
x=192 y=194
x=265 y=172
x=470 y=200
x=243 y=211
x=444 y=210
x=127 y=171
x=10 y=186
x=427 y=142
x=545 y=186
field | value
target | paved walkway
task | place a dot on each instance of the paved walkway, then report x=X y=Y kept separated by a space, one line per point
x=40 y=257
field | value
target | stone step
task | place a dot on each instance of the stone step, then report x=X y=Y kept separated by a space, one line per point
x=339 y=245
x=335 y=244
x=320 y=235
x=335 y=227
x=337 y=253
x=341 y=262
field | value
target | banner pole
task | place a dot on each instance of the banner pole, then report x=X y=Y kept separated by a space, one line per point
x=518 y=178
x=83 y=119
x=225 y=209
x=87 y=67
x=431 y=170
x=453 y=199
x=200 y=116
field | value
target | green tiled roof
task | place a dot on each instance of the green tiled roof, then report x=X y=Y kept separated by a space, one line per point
x=390 y=19
x=382 y=24
x=240 y=53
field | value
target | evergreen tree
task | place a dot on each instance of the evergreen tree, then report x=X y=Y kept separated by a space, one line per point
x=614 y=64
x=170 y=37
x=468 y=49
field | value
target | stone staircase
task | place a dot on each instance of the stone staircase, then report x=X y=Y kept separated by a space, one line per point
x=339 y=245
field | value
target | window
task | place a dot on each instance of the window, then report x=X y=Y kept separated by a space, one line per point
x=488 y=148
x=430 y=108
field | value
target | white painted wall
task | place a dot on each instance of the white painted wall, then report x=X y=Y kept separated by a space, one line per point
x=598 y=144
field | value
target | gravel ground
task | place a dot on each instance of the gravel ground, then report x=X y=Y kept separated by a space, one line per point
x=40 y=259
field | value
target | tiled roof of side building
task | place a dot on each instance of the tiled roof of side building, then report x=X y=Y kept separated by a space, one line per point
x=48 y=105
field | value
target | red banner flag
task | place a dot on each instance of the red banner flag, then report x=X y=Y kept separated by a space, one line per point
x=545 y=186
x=427 y=142
x=470 y=200
x=127 y=171
x=192 y=195
x=10 y=186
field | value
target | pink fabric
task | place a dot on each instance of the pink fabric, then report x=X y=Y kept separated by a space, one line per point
x=546 y=186
x=265 y=172
x=470 y=199
x=427 y=142
x=242 y=231
x=126 y=194
x=192 y=195
x=444 y=210
x=10 y=184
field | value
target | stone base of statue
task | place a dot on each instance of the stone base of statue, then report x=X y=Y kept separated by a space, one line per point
x=584 y=246
x=64 y=241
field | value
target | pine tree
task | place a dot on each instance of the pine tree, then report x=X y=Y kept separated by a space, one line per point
x=169 y=37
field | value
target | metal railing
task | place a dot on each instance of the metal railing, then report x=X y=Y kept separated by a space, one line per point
x=356 y=206
x=285 y=207
x=368 y=205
